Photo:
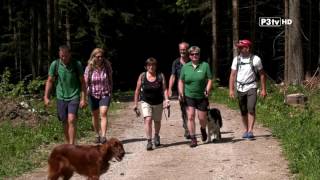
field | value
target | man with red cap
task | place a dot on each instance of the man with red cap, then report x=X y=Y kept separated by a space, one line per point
x=246 y=69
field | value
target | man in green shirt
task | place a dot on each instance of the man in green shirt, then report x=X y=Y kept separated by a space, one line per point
x=70 y=90
x=195 y=85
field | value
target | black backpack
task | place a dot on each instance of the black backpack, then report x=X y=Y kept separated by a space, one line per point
x=143 y=78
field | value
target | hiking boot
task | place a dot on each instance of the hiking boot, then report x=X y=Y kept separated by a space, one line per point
x=149 y=145
x=103 y=140
x=186 y=134
x=204 y=135
x=193 y=142
x=156 y=140
x=250 y=135
x=245 y=135
x=97 y=140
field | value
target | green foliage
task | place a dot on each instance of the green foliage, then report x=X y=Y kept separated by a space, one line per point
x=35 y=86
x=296 y=127
x=5 y=85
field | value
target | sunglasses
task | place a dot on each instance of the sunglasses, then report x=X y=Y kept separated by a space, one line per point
x=194 y=54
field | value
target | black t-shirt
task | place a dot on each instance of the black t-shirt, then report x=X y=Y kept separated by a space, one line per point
x=152 y=92
x=175 y=70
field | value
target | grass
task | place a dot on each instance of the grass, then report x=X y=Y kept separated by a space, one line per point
x=18 y=143
x=296 y=127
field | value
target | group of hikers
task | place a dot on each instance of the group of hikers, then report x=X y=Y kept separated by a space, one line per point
x=193 y=77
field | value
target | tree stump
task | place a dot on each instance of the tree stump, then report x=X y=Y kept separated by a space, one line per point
x=296 y=99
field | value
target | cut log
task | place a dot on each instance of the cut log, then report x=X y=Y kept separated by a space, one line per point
x=296 y=99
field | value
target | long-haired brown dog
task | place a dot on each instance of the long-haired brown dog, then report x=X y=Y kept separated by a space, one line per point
x=87 y=160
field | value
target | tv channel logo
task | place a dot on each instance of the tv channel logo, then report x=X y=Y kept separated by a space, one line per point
x=273 y=21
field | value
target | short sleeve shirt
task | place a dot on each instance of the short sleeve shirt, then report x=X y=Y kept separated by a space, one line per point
x=100 y=82
x=245 y=73
x=68 y=80
x=195 y=79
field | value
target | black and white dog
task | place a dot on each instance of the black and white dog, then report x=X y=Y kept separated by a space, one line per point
x=214 y=124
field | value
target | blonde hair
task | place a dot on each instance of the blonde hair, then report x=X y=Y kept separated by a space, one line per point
x=92 y=60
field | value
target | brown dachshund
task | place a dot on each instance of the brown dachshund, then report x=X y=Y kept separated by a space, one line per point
x=87 y=160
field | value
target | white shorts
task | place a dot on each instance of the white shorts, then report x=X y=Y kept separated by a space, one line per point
x=153 y=111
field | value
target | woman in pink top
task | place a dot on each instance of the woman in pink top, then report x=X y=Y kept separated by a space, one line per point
x=98 y=78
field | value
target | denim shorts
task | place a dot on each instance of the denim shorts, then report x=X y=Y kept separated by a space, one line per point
x=96 y=103
x=67 y=107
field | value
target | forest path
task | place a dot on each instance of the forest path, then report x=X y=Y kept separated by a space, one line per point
x=231 y=158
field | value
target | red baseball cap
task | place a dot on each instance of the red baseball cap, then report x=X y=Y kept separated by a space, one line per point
x=244 y=43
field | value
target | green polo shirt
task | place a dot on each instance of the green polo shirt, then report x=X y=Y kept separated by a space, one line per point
x=68 y=82
x=195 y=79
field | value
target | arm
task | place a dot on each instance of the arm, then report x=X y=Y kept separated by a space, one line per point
x=165 y=92
x=47 y=90
x=208 y=88
x=181 y=89
x=110 y=76
x=232 y=79
x=83 y=94
x=263 y=83
x=137 y=92
x=171 y=82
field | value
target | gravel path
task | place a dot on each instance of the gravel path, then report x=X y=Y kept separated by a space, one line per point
x=232 y=158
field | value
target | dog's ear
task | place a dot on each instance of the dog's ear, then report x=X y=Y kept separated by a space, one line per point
x=113 y=142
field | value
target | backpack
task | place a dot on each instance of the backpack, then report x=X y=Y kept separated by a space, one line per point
x=257 y=78
x=143 y=77
x=56 y=68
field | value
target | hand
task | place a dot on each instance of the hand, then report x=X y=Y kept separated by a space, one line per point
x=206 y=93
x=136 y=110
x=46 y=101
x=169 y=92
x=166 y=104
x=263 y=93
x=181 y=97
x=231 y=94
x=83 y=103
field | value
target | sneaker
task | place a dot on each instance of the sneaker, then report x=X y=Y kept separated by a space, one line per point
x=186 y=134
x=156 y=140
x=250 y=135
x=103 y=140
x=193 y=142
x=203 y=134
x=245 y=135
x=149 y=145
x=97 y=140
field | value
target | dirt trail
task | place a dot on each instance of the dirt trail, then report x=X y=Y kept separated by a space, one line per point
x=232 y=158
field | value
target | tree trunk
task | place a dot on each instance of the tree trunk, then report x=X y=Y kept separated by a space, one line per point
x=19 y=53
x=286 y=44
x=49 y=31
x=253 y=22
x=68 y=30
x=32 y=40
x=12 y=26
x=318 y=35
x=308 y=69
x=214 y=40
x=39 y=46
x=235 y=25
x=295 y=64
